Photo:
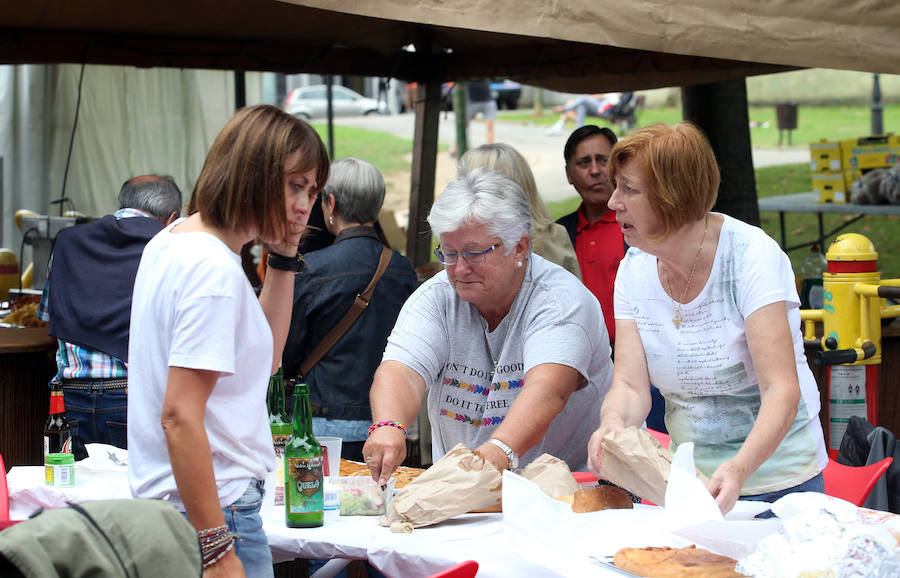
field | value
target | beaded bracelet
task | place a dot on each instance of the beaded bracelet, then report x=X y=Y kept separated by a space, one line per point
x=214 y=556
x=218 y=530
x=389 y=422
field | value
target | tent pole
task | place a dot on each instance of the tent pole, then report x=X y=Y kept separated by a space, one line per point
x=424 y=163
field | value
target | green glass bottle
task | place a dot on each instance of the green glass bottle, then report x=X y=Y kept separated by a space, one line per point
x=278 y=418
x=303 y=468
x=281 y=428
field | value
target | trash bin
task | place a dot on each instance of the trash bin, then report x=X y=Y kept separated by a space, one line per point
x=786 y=117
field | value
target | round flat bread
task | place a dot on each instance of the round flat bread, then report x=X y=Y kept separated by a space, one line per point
x=690 y=562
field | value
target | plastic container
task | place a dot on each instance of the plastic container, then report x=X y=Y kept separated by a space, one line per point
x=812 y=268
x=362 y=496
x=59 y=470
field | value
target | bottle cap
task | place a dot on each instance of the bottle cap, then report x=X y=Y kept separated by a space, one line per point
x=59 y=459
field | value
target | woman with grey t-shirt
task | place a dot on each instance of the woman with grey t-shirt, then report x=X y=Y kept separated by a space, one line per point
x=511 y=349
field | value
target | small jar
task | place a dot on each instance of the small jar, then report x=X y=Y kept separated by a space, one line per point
x=59 y=470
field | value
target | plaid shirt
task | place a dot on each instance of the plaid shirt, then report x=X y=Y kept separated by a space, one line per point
x=74 y=361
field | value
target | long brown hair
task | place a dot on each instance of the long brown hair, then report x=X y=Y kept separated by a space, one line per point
x=241 y=184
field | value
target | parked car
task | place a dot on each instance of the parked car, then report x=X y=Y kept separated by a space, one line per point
x=506 y=94
x=312 y=102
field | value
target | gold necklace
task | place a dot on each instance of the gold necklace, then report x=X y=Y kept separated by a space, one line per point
x=675 y=304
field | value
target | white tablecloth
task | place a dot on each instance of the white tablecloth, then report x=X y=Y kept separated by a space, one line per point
x=481 y=537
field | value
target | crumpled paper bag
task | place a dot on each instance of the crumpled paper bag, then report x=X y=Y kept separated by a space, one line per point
x=634 y=460
x=460 y=481
x=552 y=475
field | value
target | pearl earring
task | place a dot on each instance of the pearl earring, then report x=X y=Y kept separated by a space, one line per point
x=331 y=220
x=518 y=263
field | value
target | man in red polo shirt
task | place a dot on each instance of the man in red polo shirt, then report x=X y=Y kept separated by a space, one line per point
x=596 y=236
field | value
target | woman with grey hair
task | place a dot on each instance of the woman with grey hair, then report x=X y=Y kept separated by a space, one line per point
x=549 y=239
x=511 y=349
x=326 y=289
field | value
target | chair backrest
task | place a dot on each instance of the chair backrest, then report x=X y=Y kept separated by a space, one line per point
x=853 y=483
x=4 y=493
x=624 y=107
x=466 y=569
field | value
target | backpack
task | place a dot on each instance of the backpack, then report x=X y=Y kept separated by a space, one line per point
x=115 y=538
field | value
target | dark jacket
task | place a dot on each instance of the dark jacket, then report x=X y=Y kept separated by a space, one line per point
x=570 y=222
x=92 y=279
x=339 y=384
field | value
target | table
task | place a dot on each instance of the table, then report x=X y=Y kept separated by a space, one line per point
x=481 y=537
x=806 y=203
x=26 y=366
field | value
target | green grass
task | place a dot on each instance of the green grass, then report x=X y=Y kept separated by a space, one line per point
x=813 y=123
x=389 y=153
x=883 y=231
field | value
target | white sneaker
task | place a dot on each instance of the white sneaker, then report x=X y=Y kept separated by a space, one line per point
x=555 y=130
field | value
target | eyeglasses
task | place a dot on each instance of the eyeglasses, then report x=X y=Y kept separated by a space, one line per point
x=471 y=257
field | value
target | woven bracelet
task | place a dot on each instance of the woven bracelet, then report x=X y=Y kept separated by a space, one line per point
x=217 y=531
x=389 y=422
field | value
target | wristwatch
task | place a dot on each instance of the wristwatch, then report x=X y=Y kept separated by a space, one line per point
x=282 y=263
x=511 y=456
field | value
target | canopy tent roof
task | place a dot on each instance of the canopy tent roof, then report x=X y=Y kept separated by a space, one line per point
x=573 y=46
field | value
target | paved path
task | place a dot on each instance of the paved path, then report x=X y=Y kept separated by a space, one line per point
x=544 y=153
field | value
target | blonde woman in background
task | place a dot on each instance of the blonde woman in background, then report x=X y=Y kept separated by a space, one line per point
x=548 y=238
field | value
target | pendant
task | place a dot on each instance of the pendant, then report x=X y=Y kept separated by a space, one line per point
x=677 y=319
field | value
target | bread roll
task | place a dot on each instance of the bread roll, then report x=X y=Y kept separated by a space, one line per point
x=599 y=498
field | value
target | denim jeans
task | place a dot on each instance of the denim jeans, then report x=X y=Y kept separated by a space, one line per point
x=814 y=484
x=251 y=544
x=97 y=415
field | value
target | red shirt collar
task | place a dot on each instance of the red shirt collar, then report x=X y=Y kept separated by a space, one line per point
x=609 y=217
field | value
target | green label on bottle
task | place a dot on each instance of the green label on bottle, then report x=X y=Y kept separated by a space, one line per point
x=305 y=494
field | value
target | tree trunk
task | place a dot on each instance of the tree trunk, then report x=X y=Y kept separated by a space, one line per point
x=720 y=110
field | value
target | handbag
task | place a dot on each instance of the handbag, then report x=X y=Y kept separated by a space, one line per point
x=359 y=304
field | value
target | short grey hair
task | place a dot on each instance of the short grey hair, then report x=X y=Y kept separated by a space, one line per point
x=157 y=195
x=483 y=197
x=358 y=189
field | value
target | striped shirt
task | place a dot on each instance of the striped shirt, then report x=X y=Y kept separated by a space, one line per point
x=74 y=361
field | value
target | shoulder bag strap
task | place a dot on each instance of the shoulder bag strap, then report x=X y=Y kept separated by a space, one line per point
x=338 y=331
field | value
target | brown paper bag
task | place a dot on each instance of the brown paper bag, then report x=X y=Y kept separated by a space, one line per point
x=634 y=460
x=552 y=475
x=460 y=481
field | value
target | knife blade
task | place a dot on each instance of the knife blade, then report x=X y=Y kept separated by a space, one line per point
x=606 y=562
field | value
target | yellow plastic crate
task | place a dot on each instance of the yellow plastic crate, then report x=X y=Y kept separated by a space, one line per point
x=870 y=152
x=849 y=178
x=825 y=156
x=830 y=187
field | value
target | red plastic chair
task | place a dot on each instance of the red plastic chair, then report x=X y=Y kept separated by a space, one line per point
x=466 y=569
x=662 y=438
x=4 y=493
x=853 y=483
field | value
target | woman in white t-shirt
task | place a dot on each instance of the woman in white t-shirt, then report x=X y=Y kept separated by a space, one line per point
x=203 y=346
x=707 y=310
